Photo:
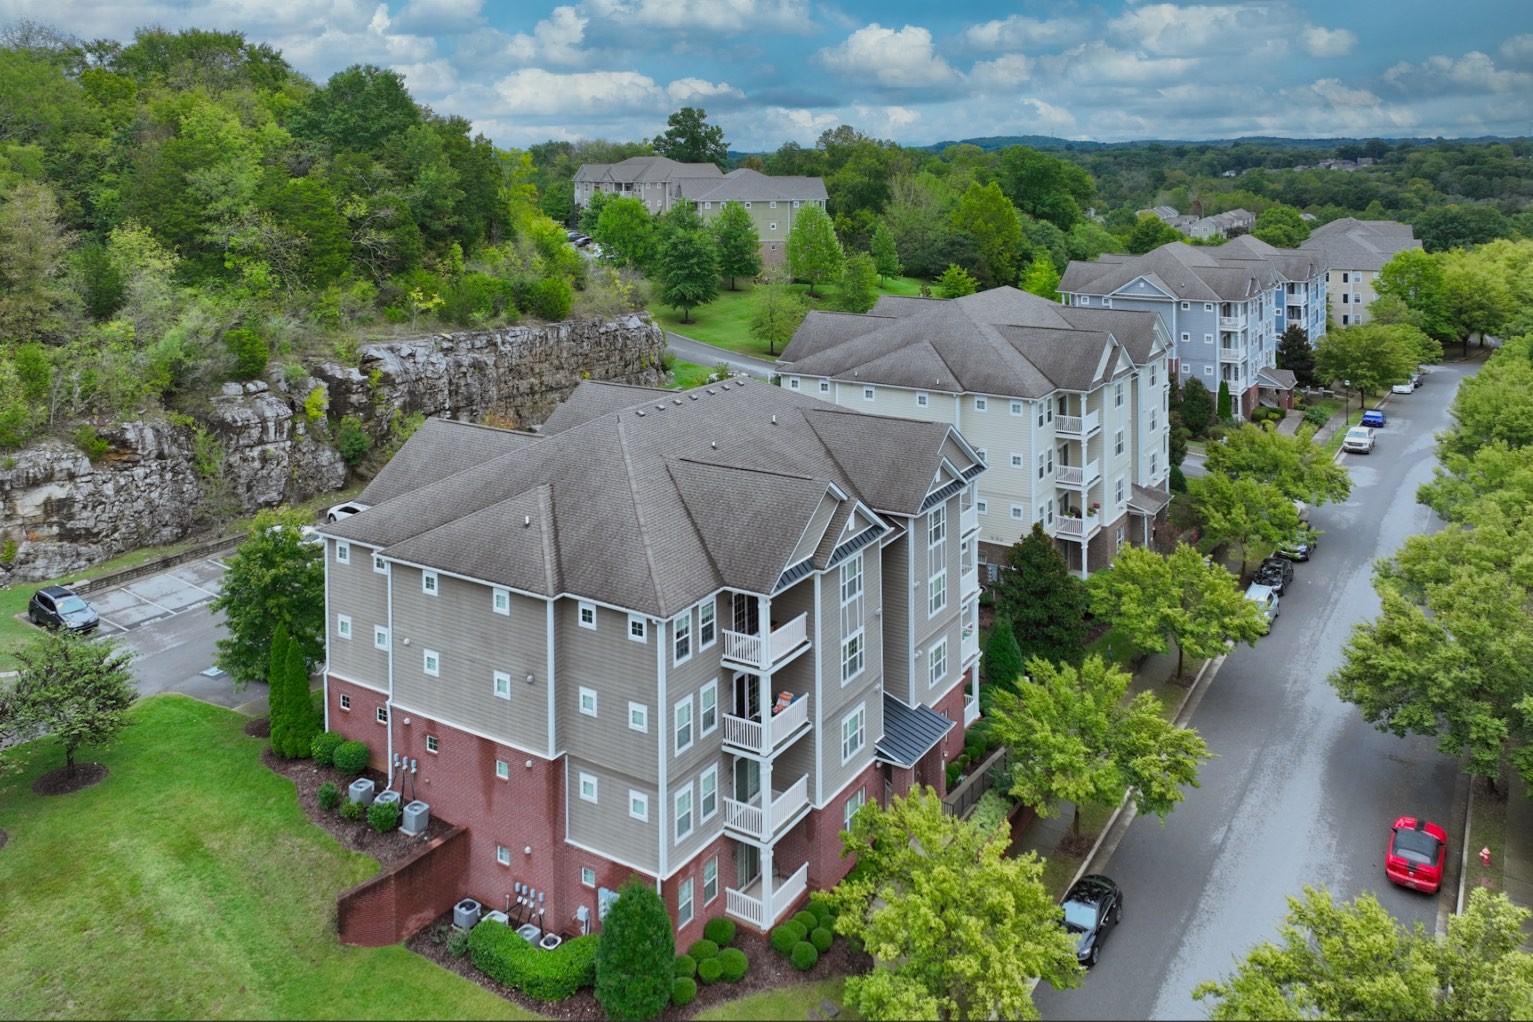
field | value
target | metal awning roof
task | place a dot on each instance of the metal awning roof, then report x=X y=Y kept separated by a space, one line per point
x=909 y=733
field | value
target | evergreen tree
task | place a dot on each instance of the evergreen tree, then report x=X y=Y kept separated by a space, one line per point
x=1294 y=353
x=276 y=688
x=814 y=254
x=739 y=246
x=857 y=288
x=688 y=266
x=1197 y=407
x=635 y=954
x=955 y=282
x=301 y=723
x=1226 y=405
x=1002 y=664
x=1045 y=603
x=885 y=256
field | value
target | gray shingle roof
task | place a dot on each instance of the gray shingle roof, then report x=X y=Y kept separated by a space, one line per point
x=909 y=733
x=423 y=463
x=1185 y=271
x=745 y=185
x=1351 y=244
x=646 y=168
x=650 y=499
x=1147 y=500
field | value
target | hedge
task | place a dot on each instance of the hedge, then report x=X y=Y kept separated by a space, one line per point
x=788 y=934
x=806 y=919
x=804 y=956
x=709 y=970
x=703 y=950
x=507 y=957
x=720 y=930
x=323 y=747
x=351 y=757
x=683 y=991
x=735 y=964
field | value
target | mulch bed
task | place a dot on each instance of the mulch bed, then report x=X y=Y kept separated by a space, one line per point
x=60 y=782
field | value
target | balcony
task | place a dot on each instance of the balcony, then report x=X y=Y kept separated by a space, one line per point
x=1232 y=322
x=970 y=710
x=970 y=643
x=968 y=519
x=764 y=652
x=1078 y=476
x=764 y=822
x=749 y=907
x=1078 y=528
x=1230 y=354
x=980 y=779
x=1078 y=425
x=751 y=736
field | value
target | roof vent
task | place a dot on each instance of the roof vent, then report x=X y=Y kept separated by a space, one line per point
x=713 y=444
x=710 y=390
x=526 y=521
x=675 y=400
x=774 y=420
x=692 y=396
x=660 y=407
x=640 y=413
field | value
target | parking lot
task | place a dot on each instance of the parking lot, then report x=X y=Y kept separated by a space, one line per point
x=182 y=588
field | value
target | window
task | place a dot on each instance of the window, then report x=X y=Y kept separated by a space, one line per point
x=638 y=718
x=1152 y=376
x=342 y=552
x=1016 y=460
x=936 y=529
x=684 y=903
x=383 y=714
x=1121 y=539
x=772 y=226
x=867 y=393
x=1345 y=298
x=588 y=701
x=1106 y=302
x=638 y=805
x=772 y=204
x=380 y=638
x=708 y=791
x=1117 y=395
x=824 y=386
x=936 y=593
x=1185 y=306
x=1085 y=299
x=1118 y=492
x=854 y=727
x=1016 y=512
x=921 y=399
x=683 y=725
x=502 y=685
x=851 y=580
x=858 y=799
x=587 y=615
x=1152 y=467
x=1208 y=338
x=1186 y=337
x=710 y=879
x=1344 y=277
x=1016 y=408
x=431 y=744
x=380 y=565
x=1208 y=306
x=683 y=812
x=503 y=855
x=981 y=507
x=1046 y=463
x=1046 y=512
x=500 y=601
x=429 y=583
x=635 y=628
x=708 y=706
x=346 y=702
x=587 y=876
x=937 y=660
x=682 y=638
x=1152 y=419
x=1117 y=442
x=502 y=770
x=851 y=656
x=707 y=624
x=1208 y=370
x=981 y=403
x=343 y=627
x=431 y=663
x=793 y=383
x=588 y=788
x=747 y=205
x=707 y=205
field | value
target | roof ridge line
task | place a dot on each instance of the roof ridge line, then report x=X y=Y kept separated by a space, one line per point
x=638 y=510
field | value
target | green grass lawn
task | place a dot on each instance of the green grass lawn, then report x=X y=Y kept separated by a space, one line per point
x=189 y=884
x=1059 y=867
x=686 y=375
x=791 y=1004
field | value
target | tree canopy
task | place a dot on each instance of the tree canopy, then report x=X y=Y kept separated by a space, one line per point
x=739 y=246
x=1044 y=601
x=814 y=254
x=1297 y=466
x=273 y=578
x=689 y=138
x=71 y=687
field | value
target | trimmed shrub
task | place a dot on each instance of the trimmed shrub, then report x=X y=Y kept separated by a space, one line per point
x=709 y=970
x=806 y=919
x=1178 y=480
x=353 y=441
x=703 y=950
x=329 y=795
x=686 y=965
x=323 y=747
x=506 y=957
x=785 y=936
x=735 y=964
x=821 y=938
x=636 y=953
x=821 y=908
x=1316 y=416
x=351 y=757
x=383 y=816
x=457 y=942
x=352 y=811
x=804 y=956
x=720 y=930
x=683 y=991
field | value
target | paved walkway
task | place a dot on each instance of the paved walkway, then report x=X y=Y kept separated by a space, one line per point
x=1517 y=854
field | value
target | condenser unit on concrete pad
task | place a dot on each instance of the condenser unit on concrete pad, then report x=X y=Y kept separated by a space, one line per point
x=388 y=796
x=530 y=932
x=497 y=916
x=465 y=914
x=417 y=818
x=361 y=790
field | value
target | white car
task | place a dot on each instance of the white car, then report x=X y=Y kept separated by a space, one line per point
x=346 y=510
x=1403 y=388
x=1359 y=440
x=1266 y=599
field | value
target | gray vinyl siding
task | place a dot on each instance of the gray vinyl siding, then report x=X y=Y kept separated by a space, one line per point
x=473 y=642
x=894 y=623
x=607 y=825
x=620 y=670
x=946 y=621
x=816 y=529
x=362 y=594
x=687 y=681
x=703 y=832
x=867 y=687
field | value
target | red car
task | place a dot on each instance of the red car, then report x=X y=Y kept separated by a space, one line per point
x=1417 y=850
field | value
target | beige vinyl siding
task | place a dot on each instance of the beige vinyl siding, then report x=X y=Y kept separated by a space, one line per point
x=893 y=625
x=357 y=591
x=620 y=670
x=703 y=832
x=473 y=642
x=946 y=622
x=606 y=825
x=866 y=687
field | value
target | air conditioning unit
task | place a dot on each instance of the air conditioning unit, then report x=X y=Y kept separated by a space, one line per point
x=497 y=917
x=550 y=941
x=361 y=790
x=388 y=796
x=465 y=914
x=417 y=818
x=530 y=932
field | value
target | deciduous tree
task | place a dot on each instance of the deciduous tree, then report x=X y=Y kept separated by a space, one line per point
x=776 y=312
x=1300 y=468
x=1040 y=278
x=1246 y=513
x=955 y=282
x=1150 y=232
x=688 y=262
x=885 y=256
x=1044 y=601
x=627 y=232
x=1370 y=357
x=987 y=217
x=689 y=138
x=1280 y=226
x=739 y=246
x=73 y=688
x=273 y=578
x=857 y=287
x=814 y=254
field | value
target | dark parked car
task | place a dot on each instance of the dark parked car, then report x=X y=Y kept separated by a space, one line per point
x=57 y=607
x=1093 y=906
x=1275 y=573
x=1301 y=546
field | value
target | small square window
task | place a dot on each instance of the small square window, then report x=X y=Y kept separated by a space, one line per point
x=1016 y=460
x=824 y=386
x=793 y=383
x=588 y=787
x=381 y=638
x=638 y=717
x=636 y=628
x=346 y=702
x=1017 y=512
x=1186 y=306
x=588 y=615
x=921 y=399
x=774 y=204
x=587 y=876
x=500 y=601
x=343 y=627
x=588 y=701
x=502 y=770
x=638 y=805
x=503 y=855
x=1016 y=408
x=429 y=583
x=772 y=226
x=431 y=663
x=981 y=403
x=1186 y=338
x=867 y=393
x=502 y=685
x=380 y=565
x=342 y=552
x=747 y=205
x=431 y=744
x=1207 y=306
x=982 y=507
x=382 y=714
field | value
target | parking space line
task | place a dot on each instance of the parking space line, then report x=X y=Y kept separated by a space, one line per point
x=151 y=603
x=193 y=585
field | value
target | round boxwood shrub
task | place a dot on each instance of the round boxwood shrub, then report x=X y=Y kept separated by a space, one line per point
x=806 y=919
x=352 y=810
x=683 y=991
x=351 y=757
x=821 y=938
x=735 y=964
x=709 y=970
x=703 y=950
x=686 y=966
x=804 y=956
x=822 y=911
x=720 y=930
x=323 y=747
x=329 y=795
x=785 y=936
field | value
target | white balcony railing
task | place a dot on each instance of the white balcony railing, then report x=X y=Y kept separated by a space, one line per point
x=1078 y=528
x=970 y=710
x=766 y=650
x=1230 y=354
x=751 y=908
x=763 y=822
x=1079 y=476
x=968 y=519
x=744 y=733
x=970 y=644
x=1232 y=322
x=1077 y=425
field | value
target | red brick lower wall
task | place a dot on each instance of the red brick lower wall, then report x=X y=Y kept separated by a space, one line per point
x=392 y=906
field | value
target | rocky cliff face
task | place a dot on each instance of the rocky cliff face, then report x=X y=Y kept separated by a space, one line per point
x=160 y=481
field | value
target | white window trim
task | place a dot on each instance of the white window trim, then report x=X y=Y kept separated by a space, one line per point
x=500 y=600
x=588 y=781
x=642 y=726
x=380 y=638
x=681 y=628
x=793 y=383
x=430 y=584
x=854 y=802
x=981 y=506
x=1017 y=460
x=581 y=701
x=345 y=702
x=862 y=656
x=587 y=871
x=502 y=685
x=380 y=565
x=1016 y=408
x=921 y=399
x=685 y=702
x=862 y=712
x=824 y=386
x=704 y=728
x=932 y=657
x=433 y=745
x=981 y=403
x=708 y=899
x=868 y=393
x=502 y=770
x=706 y=814
x=580 y=615
x=685 y=791
x=936 y=583
x=1018 y=513
x=343 y=626
x=503 y=855
x=642 y=635
x=431 y=663
x=381 y=714
x=342 y=551
x=686 y=908
x=707 y=606
x=642 y=813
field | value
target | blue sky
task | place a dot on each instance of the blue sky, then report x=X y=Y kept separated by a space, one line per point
x=773 y=71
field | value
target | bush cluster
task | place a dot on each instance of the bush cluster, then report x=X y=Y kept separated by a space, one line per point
x=329 y=795
x=351 y=757
x=787 y=935
x=683 y=991
x=383 y=816
x=720 y=930
x=323 y=747
x=507 y=957
x=821 y=938
x=352 y=810
x=703 y=950
x=709 y=970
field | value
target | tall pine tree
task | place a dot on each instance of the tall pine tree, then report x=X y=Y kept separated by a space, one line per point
x=301 y=723
x=276 y=687
x=1046 y=604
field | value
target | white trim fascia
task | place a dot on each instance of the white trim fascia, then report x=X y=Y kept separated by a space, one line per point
x=360 y=684
x=663 y=748
x=548 y=671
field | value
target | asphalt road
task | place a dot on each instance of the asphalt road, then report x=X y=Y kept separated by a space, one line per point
x=698 y=353
x=1304 y=790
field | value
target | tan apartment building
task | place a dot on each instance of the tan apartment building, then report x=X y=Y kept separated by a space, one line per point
x=1354 y=251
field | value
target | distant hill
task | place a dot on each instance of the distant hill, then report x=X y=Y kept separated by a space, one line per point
x=993 y=142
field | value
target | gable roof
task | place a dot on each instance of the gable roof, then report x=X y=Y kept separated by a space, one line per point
x=1188 y=272
x=1351 y=244
x=637 y=169
x=745 y=185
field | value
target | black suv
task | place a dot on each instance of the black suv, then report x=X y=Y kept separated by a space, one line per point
x=57 y=607
x=1275 y=572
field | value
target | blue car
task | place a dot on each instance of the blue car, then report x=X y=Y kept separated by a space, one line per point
x=1373 y=417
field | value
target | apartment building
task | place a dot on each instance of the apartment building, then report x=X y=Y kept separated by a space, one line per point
x=1218 y=304
x=1353 y=252
x=656 y=181
x=773 y=203
x=679 y=635
x=1067 y=405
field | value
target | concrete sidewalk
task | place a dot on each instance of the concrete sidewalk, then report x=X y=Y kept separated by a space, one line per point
x=1517 y=853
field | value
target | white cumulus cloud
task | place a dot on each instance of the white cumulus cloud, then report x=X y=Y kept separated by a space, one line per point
x=556 y=39
x=1329 y=42
x=899 y=58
